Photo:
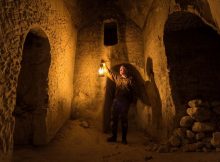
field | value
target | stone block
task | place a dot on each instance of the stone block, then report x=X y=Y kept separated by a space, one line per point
x=193 y=147
x=190 y=134
x=203 y=127
x=200 y=136
x=199 y=114
x=180 y=132
x=186 y=121
x=175 y=141
x=215 y=141
x=198 y=103
x=185 y=141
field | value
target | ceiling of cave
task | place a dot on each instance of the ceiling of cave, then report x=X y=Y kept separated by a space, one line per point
x=86 y=11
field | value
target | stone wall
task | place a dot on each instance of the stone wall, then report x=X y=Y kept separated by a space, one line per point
x=137 y=11
x=92 y=96
x=214 y=5
x=157 y=71
x=161 y=113
x=16 y=19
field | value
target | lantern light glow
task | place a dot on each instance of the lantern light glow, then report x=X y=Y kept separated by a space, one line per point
x=102 y=70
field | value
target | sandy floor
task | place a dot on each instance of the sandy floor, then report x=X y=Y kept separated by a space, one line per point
x=77 y=144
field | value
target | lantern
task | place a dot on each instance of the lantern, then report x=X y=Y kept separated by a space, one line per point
x=101 y=70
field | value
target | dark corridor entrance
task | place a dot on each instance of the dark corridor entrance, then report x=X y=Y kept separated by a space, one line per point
x=32 y=90
x=193 y=55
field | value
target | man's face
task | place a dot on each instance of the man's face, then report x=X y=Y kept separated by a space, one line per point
x=122 y=70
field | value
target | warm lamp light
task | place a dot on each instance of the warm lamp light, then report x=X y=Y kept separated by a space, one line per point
x=101 y=70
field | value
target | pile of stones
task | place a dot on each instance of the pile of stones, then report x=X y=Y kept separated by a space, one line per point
x=199 y=130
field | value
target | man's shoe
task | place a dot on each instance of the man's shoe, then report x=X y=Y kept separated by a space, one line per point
x=112 y=139
x=124 y=141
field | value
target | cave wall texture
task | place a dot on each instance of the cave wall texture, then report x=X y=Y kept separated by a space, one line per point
x=17 y=18
x=91 y=93
x=73 y=81
x=154 y=49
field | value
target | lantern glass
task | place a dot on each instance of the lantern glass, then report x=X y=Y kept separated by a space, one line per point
x=101 y=70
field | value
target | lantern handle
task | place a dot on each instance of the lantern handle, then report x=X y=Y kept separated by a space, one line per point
x=102 y=61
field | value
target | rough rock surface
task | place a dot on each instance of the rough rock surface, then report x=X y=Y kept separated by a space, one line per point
x=175 y=141
x=197 y=103
x=199 y=113
x=190 y=134
x=203 y=127
x=186 y=121
x=200 y=136
x=17 y=19
x=215 y=141
x=192 y=147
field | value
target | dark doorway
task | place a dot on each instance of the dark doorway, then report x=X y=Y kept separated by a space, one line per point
x=193 y=55
x=32 y=90
x=110 y=34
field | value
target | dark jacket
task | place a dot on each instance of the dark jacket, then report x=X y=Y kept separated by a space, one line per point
x=124 y=86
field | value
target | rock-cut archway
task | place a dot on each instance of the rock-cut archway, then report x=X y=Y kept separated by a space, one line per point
x=32 y=90
x=193 y=55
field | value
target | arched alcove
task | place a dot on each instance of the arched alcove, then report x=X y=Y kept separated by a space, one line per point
x=110 y=33
x=32 y=90
x=193 y=55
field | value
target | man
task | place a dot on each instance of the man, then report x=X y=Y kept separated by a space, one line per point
x=123 y=98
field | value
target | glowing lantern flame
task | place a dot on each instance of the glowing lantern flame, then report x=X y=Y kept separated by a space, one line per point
x=101 y=70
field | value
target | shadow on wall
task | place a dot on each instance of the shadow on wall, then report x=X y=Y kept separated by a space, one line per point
x=140 y=88
x=155 y=100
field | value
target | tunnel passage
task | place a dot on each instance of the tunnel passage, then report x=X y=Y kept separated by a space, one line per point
x=193 y=55
x=32 y=89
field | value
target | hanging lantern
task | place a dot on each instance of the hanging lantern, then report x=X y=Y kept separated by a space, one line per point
x=101 y=70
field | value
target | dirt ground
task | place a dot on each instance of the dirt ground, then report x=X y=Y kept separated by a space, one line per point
x=74 y=143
